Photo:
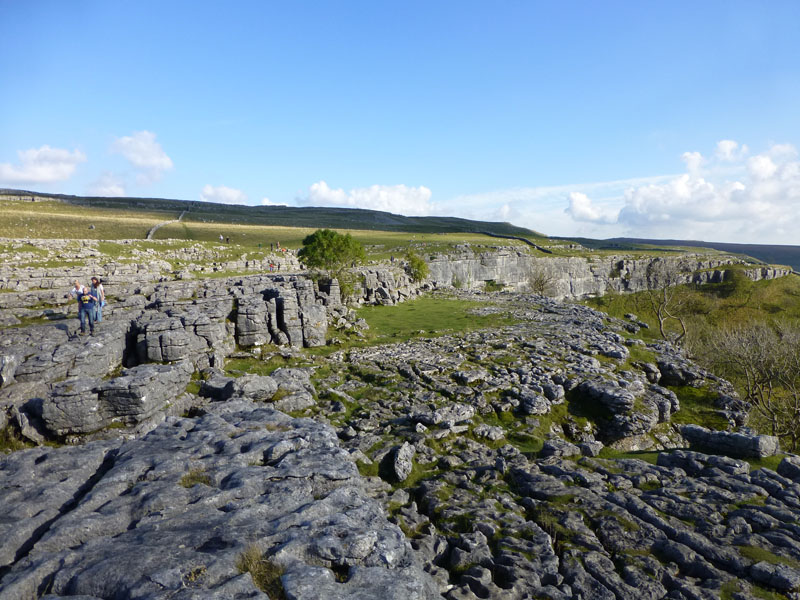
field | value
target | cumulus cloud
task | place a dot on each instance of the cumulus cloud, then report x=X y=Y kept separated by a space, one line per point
x=581 y=209
x=268 y=202
x=730 y=151
x=762 y=205
x=107 y=184
x=222 y=194
x=143 y=151
x=401 y=199
x=761 y=167
x=694 y=161
x=42 y=165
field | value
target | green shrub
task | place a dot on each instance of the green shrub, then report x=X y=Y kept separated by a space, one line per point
x=417 y=267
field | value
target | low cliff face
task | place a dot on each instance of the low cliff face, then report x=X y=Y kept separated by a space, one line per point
x=576 y=277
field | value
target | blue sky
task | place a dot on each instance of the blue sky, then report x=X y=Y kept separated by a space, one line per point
x=656 y=119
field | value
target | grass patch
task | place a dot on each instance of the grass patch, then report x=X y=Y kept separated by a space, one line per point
x=195 y=477
x=266 y=574
x=433 y=315
x=768 y=462
x=368 y=469
x=757 y=554
x=697 y=407
x=11 y=441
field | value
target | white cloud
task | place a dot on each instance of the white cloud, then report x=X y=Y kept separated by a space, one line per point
x=693 y=160
x=762 y=206
x=581 y=209
x=107 y=184
x=400 y=199
x=268 y=202
x=761 y=167
x=730 y=151
x=143 y=151
x=42 y=165
x=222 y=194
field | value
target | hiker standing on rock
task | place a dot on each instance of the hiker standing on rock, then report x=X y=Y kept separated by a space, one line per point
x=100 y=294
x=86 y=304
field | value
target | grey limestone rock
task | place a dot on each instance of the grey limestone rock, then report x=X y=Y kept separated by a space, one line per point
x=610 y=395
x=8 y=366
x=83 y=405
x=258 y=388
x=451 y=413
x=252 y=322
x=403 y=461
x=289 y=320
x=315 y=325
x=736 y=444
x=559 y=447
x=74 y=407
x=164 y=339
x=37 y=486
x=780 y=577
x=169 y=514
x=143 y=390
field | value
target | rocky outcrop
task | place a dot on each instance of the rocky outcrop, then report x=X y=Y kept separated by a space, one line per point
x=128 y=267
x=62 y=384
x=186 y=510
x=574 y=277
x=736 y=444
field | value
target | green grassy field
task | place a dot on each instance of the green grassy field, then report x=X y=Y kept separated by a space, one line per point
x=59 y=220
x=51 y=219
x=380 y=245
x=426 y=316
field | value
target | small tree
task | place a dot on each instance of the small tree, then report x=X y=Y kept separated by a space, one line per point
x=417 y=267
x=334 y=254
x=764 y=363
x=666 y=296
x=540 y=281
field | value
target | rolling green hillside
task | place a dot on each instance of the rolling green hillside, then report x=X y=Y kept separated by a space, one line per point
x=283 y=216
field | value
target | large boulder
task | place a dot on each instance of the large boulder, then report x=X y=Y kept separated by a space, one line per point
x=252 y=322
x=735 y=444
x=315 y=325
x=74 y=407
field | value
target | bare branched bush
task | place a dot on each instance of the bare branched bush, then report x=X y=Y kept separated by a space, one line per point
x=764 y=363
x=667 y=297
x=540 y=280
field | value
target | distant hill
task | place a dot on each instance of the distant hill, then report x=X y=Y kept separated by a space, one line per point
x=772 y=254
x=289 y=216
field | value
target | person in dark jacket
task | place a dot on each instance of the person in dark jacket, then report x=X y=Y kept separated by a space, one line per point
x=86 y=304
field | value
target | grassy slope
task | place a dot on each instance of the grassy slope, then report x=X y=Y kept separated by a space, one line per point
x=52 y=219
x=312 y=217
x=716 y=305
